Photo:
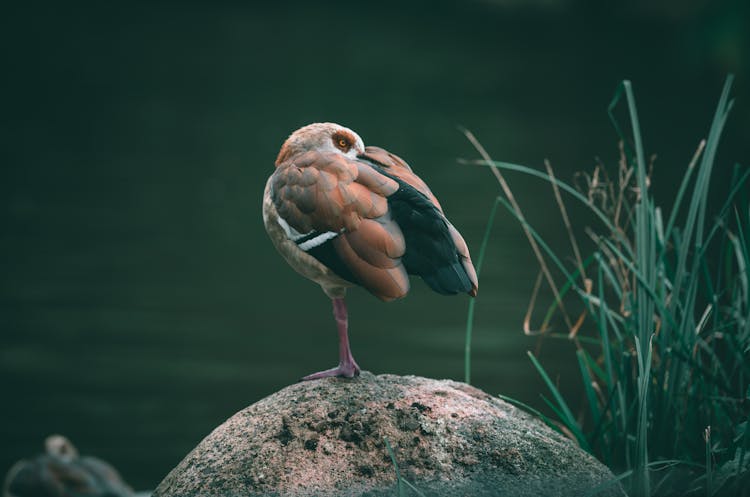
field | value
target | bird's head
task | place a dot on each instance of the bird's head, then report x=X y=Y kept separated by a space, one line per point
x=322 y=137
x=59 y=446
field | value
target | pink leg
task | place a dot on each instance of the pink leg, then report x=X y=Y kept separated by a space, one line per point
x=347 y=367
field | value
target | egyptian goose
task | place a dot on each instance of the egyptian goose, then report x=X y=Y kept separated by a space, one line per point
x=60 y=472
x=343 y=215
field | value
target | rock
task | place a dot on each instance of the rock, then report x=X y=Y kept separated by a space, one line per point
x=328 y=438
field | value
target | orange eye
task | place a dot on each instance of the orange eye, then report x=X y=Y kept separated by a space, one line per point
x=343 y=143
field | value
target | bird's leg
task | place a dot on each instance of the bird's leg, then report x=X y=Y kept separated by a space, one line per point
x=347 y=367
x=347 y=364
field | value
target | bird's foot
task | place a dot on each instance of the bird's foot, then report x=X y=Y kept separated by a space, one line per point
x=348 y=370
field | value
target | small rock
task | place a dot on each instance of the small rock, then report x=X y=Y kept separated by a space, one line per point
x=311 y=443
x=284 y=435
x=366 y=470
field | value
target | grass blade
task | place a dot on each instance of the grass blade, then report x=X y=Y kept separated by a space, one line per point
x=400 y=485
x=567 y=416
x=472 y=302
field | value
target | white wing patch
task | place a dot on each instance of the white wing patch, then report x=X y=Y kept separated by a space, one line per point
x=291 y=233
x=318 y=240
x=305 y=241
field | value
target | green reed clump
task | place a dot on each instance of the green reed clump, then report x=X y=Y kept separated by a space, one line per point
x=663 y=342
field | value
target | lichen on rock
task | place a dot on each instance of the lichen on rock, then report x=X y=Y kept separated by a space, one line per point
x=327 y=438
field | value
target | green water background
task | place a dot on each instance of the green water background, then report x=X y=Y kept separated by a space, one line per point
x=141 y=303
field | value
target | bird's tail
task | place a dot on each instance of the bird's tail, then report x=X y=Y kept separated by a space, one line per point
x=449 y=280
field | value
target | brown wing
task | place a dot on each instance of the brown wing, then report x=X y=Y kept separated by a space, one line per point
x=338 y=210
x=395 y=166
x=398 y=167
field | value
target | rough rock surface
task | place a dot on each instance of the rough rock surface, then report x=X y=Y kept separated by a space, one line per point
x=327 y=438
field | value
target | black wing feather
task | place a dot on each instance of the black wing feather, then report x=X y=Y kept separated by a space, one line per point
x=430 y=250
x=326 y=254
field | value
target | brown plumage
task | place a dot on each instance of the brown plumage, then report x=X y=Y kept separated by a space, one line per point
x=343 y=214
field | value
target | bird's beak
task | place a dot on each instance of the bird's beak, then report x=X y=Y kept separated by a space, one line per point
x=364 y=156
x=372 y=160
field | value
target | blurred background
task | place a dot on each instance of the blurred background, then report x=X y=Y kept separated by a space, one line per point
x=141 y=303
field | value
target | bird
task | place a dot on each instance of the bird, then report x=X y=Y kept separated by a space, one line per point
x=343 y=214
x=61 y=472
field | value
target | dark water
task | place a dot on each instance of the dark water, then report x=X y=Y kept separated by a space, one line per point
x=140 y=301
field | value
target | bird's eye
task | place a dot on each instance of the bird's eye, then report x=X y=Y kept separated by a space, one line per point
x=342 y=142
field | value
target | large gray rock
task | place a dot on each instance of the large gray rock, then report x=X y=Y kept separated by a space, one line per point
x=327 y=438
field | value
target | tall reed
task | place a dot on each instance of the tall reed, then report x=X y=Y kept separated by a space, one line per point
x=663 y=342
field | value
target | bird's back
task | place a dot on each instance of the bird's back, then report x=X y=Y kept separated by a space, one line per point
x=435 y=250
